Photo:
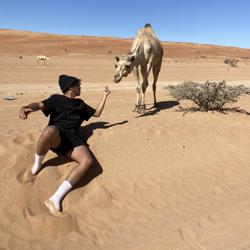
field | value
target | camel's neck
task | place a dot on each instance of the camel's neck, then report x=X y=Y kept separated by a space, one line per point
x=136 y=53
x=135 y=49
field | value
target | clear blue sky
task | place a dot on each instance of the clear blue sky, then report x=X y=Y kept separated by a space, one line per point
x=220 y=22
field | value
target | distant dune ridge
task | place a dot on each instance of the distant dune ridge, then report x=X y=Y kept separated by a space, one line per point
x=32 y=43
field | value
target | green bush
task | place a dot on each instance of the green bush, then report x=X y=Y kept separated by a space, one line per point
x=209 y=95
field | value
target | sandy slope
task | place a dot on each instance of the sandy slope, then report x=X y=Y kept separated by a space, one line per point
x=29 y=43
x=163 y=180
x=166 y=181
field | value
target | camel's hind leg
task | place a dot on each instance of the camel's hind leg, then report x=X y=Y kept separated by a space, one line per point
x=156 y=71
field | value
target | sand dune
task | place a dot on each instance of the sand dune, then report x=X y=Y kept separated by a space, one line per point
x=32 y=43
x=162 y=180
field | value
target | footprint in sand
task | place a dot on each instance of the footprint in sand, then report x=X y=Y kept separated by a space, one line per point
x=26 y=177
x=49 y=226
x=189 y=237
x=97 y=240
x=24 y=139
x=226 y=173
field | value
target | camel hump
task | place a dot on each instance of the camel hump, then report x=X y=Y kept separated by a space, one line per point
x=147 y=25
x=148 y=28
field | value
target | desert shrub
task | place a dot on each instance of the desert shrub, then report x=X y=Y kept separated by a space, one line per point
x=209 y=95
x=231 y=62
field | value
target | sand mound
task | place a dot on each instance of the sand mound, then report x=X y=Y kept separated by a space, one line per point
x=160 y=181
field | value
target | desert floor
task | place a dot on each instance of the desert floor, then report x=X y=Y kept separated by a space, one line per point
x=162 y=180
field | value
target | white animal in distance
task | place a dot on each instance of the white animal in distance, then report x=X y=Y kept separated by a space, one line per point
x=42 y=58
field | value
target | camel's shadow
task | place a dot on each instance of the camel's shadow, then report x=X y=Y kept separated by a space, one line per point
x=96 y=169
x=160 y=106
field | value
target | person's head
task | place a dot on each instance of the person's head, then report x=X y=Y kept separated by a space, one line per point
x=70 y=83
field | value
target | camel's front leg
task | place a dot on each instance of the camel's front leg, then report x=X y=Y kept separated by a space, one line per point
x=144 y=73
x=138 y=89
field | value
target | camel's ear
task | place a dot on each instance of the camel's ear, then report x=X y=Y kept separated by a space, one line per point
x=117 y=58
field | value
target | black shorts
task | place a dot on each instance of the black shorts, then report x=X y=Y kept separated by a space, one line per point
x=69 y=141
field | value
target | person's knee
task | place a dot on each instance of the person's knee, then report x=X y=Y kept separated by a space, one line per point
x=89 y=160
x=86 y=162
x=50 y=132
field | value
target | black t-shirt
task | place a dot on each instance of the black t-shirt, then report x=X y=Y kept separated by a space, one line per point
x=66 y=113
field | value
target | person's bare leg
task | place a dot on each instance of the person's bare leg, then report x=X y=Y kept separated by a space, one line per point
x=50 y=138
x=84 y=158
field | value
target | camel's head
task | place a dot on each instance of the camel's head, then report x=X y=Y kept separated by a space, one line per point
x=123 y=66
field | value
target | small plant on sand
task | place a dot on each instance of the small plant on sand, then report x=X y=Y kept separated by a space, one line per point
x=231 y=62
x=209 y=95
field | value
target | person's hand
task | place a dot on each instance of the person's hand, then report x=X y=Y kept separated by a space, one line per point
x=24 y=112
x=107 y=91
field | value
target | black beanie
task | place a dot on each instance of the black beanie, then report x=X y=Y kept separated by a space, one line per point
x=65 y=82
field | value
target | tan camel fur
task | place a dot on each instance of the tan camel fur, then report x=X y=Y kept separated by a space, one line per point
x=146 y=52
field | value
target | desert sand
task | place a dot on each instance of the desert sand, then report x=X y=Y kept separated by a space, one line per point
x=162 y=180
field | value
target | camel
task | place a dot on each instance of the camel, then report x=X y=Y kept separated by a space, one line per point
x=146 y=52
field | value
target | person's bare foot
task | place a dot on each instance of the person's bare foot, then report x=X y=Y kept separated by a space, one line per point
x=52 y=209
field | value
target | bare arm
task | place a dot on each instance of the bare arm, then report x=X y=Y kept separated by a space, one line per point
x=101 y=105
x=32 y=107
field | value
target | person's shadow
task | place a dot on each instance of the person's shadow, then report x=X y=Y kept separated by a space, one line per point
x=160 y=106
x=95 y=169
